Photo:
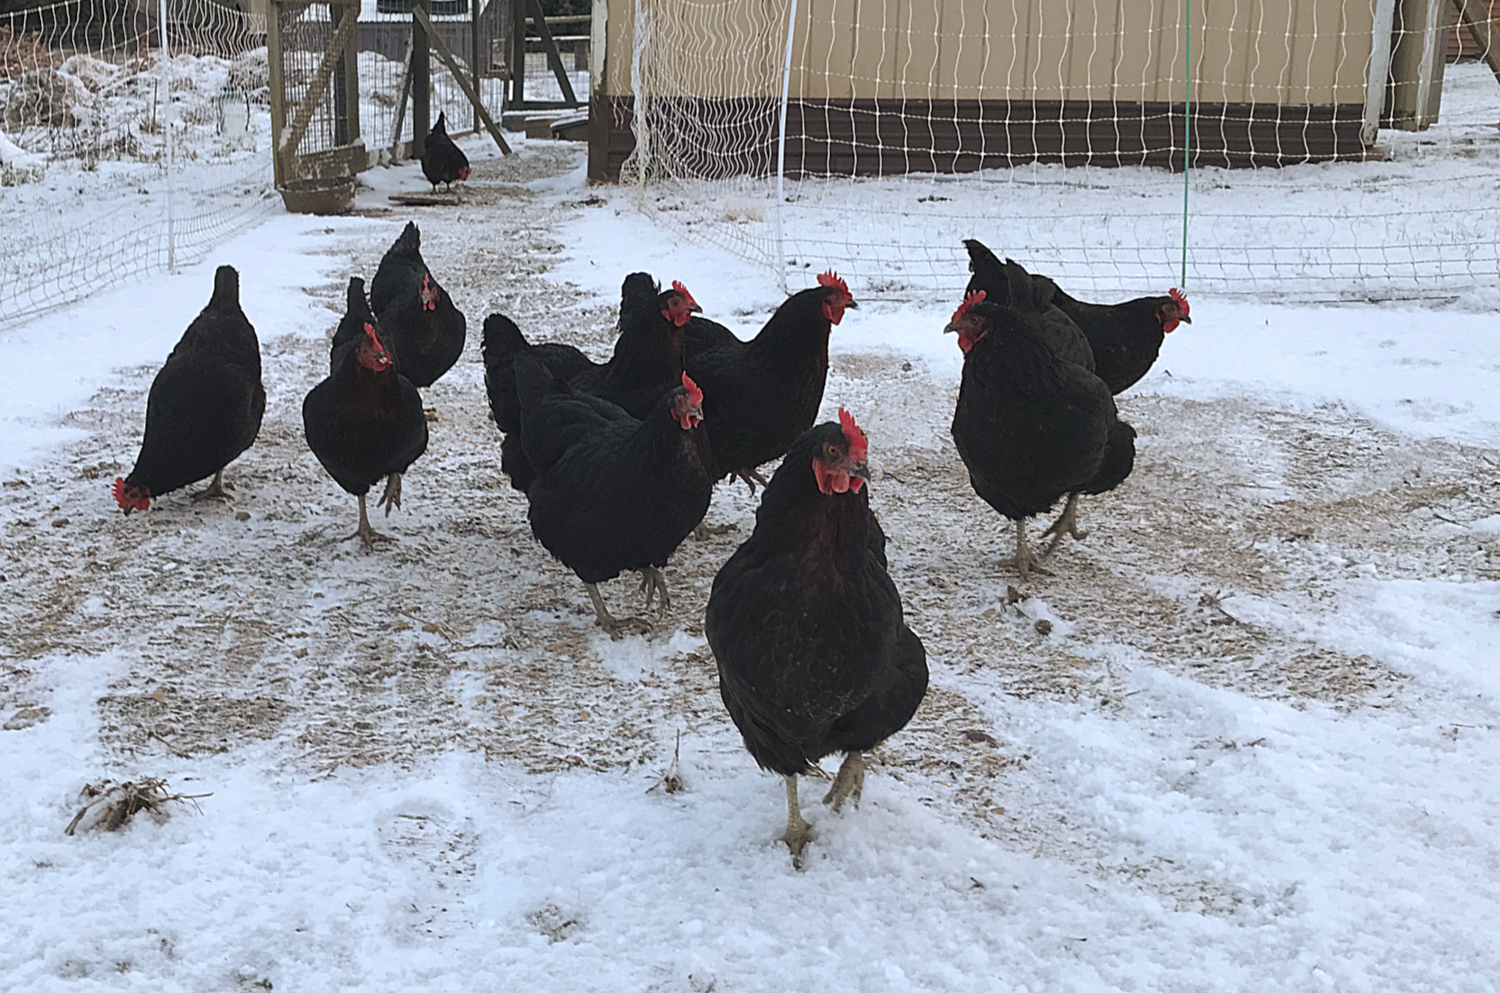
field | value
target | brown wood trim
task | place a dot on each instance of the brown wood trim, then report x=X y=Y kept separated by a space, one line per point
x=869 y=137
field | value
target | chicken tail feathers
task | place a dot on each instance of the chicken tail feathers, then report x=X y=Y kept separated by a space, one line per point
x=501 y=344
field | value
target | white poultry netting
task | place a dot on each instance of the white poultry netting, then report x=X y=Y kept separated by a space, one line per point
x=1055 y=133
x=93 y=115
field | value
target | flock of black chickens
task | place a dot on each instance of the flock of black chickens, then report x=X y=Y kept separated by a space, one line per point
x=618 y=461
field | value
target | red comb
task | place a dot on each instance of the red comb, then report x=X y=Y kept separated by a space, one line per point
x=831 y=278
x=976 y=297
x=677 y=285
x=129 y=503
x=695 y=395
x=859 y=446
x=370 y=333
x=1179 y=298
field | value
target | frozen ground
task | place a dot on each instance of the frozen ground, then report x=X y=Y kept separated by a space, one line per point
x=1255 y=752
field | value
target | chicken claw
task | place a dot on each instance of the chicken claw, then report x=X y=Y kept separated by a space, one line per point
x=1066 y=524
x=392 y=495
x=751 y=477
x=798 y=832
x=652 y=581
x=615 y=627
x=214 y=490
x=849 y=783
x=1024 y=561
x=364 y=532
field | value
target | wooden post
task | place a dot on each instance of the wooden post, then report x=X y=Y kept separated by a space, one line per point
x=518 y=54
x=401 y=100
x=421 y=78
x=341 y=88
x=1475 y=15
x=550 y=47
x=277 y=84
x=441 y=48
x=317 y=87
x=474 y=52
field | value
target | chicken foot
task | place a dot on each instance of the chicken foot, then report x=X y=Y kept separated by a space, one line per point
x=751 y=477
x=1024 y=561
x=615 y=627
x=849 y=783
x=392 y=495
x=364 y=532
x=798 y=831
x=652 y=581
x=214 y=490
x=1066 y=524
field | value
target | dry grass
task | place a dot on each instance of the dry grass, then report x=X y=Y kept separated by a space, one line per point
x=109 y=806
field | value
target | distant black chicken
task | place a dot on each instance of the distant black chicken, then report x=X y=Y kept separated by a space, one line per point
x=365 y=421
x=1008 y=284
x=205 y=404
x=420 y=325
x=1029 y=425
x=442 y=160
x=612 y=492
x=813 y=653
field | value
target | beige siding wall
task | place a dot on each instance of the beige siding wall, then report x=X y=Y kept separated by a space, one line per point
x=1261 y=51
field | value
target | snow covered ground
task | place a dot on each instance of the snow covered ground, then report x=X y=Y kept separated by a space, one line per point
x=1255 y=752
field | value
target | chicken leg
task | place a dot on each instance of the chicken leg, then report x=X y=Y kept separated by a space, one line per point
x=1024 y=561
x=214 y=490
x=652 y=581
x=798 y=831
x=849 y=783
x=364 y=532
x=614 y=626
x=1067 y=524
x=392 y=495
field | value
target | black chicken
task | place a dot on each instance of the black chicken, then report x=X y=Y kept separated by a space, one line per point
x=807 y=628
x=1030 y=425
x=418 y=321
x=612 y=492
x=443 y=161
x=365 y=421
x=1124 y=338
x=1008 y=284
x=647 y=362
x=205 y=403
x=761 y=394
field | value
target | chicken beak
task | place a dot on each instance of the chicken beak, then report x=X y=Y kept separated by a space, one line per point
x=1184 y=318
x=851 y=305
x=693 y=308
x=859 y=470
x=951 y=329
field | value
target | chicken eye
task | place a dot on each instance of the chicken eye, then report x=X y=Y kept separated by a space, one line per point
x=832 y=451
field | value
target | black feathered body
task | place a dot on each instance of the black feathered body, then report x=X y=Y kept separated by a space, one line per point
x=207 y=401
x=1029 y=425
x=1009 y=284
x=806 y=625
x=424 y=343
x=611 y=493
x=363 y=425
x=760 y=395
x=701 y=335
x=646 y=364
x=442 y=160
x=1125 y=337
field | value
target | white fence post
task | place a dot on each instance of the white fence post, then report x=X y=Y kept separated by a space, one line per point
x=166 y=71
x=786 y=89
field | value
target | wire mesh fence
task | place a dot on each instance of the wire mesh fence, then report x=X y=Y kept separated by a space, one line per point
x=910 y=125
x=116 y=160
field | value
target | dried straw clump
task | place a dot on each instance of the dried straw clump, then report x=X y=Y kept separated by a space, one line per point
x=109 y=806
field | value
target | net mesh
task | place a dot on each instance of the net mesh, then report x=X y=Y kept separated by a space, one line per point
x=88 y=100
x=911 y=125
